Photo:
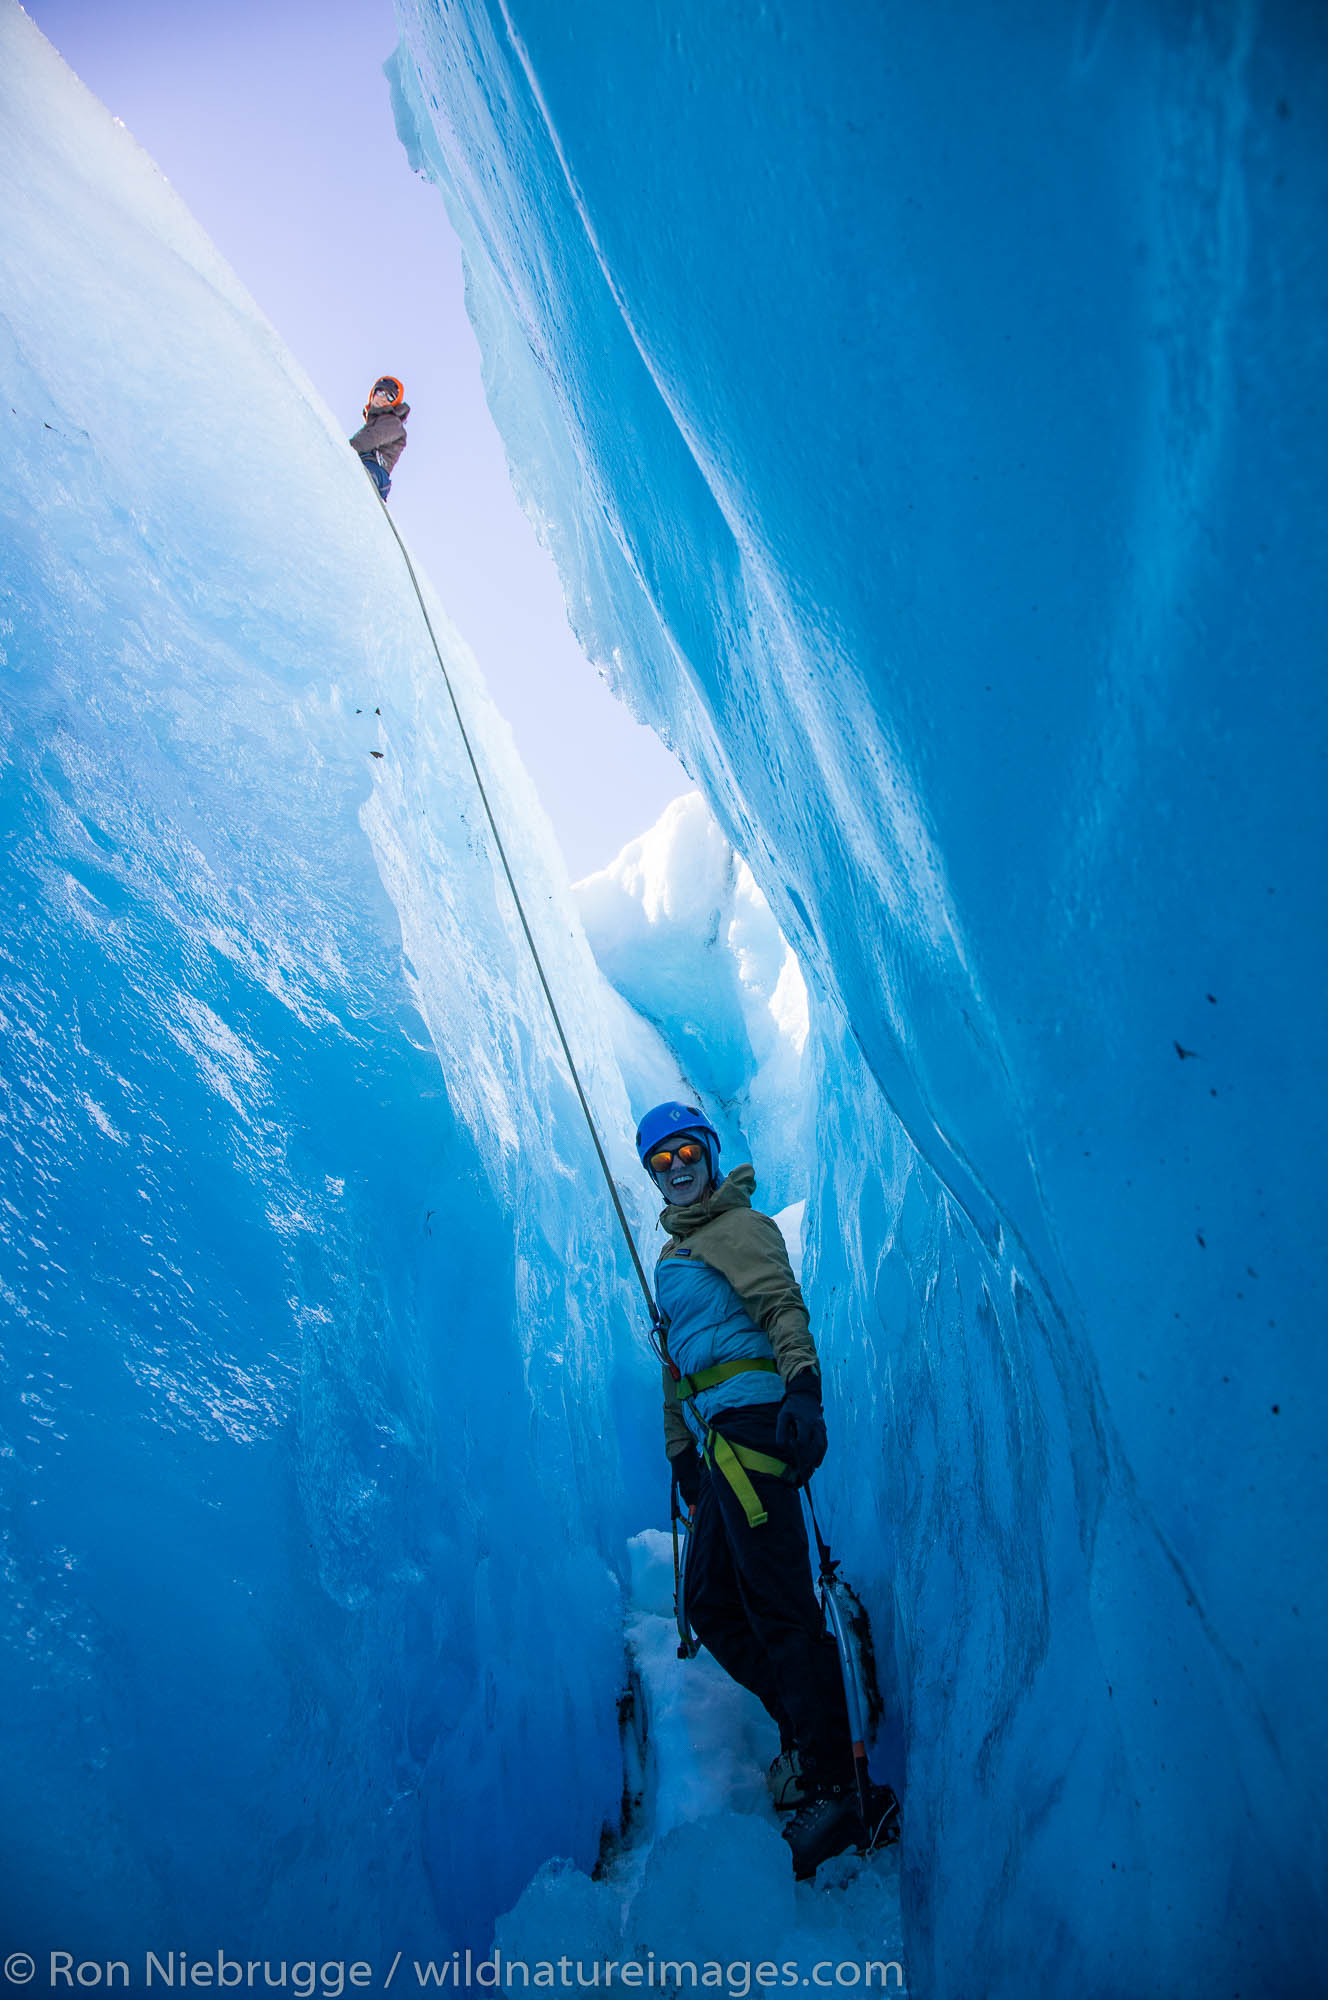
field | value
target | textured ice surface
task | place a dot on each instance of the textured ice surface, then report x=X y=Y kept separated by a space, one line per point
x=680 y=928
x=948 y=493
x=704 y=1877
x=920 y=405
x=326 y=1411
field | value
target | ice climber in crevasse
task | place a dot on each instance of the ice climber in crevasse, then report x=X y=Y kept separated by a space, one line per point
x=381 y=438
x=743 y=1430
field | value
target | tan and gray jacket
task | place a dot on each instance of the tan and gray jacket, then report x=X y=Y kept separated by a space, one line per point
x=744 y=1246
x=383 y=436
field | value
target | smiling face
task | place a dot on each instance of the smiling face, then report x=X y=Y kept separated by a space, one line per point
x=681 y=1170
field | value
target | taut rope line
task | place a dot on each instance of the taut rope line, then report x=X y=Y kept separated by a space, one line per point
x=525 y=925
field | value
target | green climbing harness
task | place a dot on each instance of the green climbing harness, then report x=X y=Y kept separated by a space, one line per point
x=721 y=1454
x=735 y=1461
x=687 y=1386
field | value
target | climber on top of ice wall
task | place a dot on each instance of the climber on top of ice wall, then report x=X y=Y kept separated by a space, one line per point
x=743 y=1430
x=381 y=438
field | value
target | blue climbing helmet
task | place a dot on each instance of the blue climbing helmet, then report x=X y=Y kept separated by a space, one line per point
x=665 y=1121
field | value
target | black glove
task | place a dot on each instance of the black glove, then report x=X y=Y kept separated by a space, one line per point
x=686 y=1468
x=800 y=1429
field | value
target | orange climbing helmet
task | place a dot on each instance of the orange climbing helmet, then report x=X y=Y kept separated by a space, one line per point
x=393 y=388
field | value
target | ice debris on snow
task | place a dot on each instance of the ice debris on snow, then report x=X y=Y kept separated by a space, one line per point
x=708 y=1880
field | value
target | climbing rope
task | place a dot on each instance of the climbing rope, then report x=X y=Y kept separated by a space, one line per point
x=882 y=1824
x=602 y=1156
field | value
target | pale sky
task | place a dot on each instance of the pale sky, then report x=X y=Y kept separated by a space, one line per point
x=271 y=118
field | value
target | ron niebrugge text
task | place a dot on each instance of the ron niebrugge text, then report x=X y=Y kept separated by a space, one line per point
x=327 y=1979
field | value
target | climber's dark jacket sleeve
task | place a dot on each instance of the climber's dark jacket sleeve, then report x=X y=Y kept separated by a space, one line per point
x=383 y=435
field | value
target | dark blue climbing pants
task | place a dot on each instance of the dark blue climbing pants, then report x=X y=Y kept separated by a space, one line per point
x=753 y=1605
x=380 y=478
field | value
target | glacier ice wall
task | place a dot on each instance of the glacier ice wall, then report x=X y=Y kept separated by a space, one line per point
x=685 y=937
x=326 y=1410
x=920 y=404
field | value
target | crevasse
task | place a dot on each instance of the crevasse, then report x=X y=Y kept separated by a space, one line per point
x=327 y=1411
x=915 y=403
x=915 y=407
x=330 y=1420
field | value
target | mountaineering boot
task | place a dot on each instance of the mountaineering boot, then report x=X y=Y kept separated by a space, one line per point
x=784 y=1782
x=882 y=1817
x=832 y=1821
x=828 y=1823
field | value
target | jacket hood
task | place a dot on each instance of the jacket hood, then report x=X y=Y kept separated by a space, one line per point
x=734 y=1191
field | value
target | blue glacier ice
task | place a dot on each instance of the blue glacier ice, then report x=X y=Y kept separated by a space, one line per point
x=336 y=1620
x=922 y=407
x=327 y=1414
x=715 y=1002
x=922 y=404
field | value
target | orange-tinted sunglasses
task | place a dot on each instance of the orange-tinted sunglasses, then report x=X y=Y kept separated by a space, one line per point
x=689 y=1153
